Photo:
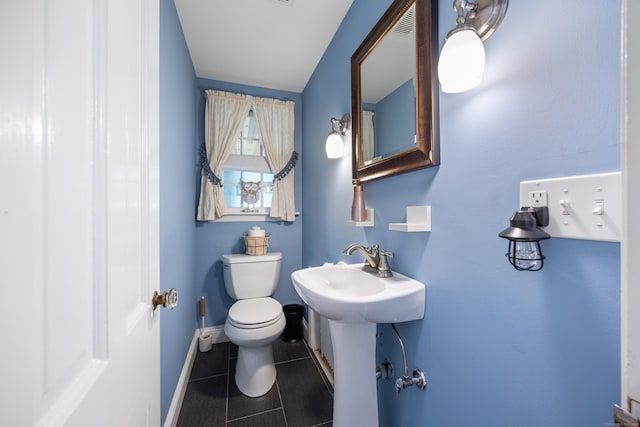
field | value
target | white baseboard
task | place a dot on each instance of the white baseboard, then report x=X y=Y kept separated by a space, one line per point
x=218 y=336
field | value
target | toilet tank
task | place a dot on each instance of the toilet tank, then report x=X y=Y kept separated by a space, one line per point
x=251 y=276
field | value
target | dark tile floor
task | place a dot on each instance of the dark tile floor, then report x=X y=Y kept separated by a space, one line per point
x=301 y=396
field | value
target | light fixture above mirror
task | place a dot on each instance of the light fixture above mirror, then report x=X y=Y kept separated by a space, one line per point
x=462 y=59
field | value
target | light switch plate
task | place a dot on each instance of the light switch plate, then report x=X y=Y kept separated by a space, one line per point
x=587 y=207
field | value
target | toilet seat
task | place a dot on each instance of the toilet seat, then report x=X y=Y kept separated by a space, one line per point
x=254 y=313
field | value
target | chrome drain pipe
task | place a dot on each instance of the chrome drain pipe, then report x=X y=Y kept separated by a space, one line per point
x=384 y=371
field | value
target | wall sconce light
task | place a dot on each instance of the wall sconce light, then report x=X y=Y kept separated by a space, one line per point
x=461 y=63
x=335 y=145
x=524 y=238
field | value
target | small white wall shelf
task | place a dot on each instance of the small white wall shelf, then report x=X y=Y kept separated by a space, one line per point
x=418 y=219
x=367 y=223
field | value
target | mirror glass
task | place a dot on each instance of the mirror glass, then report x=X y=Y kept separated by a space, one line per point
x=388 y=93
x=394 y=93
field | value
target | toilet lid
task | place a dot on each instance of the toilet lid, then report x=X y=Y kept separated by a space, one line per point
x=254 y=313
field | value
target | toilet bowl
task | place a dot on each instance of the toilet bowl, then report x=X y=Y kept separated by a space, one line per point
x=255 y=320
x=253 y=325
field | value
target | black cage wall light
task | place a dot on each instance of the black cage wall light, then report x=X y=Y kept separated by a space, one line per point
x=524 y=238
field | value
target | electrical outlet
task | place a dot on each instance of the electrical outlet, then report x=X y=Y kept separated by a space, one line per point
x=538 y=198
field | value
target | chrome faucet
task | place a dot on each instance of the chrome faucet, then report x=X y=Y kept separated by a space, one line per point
x=376 y=259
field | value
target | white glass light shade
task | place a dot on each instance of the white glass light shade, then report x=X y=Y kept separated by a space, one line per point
x=461 y=63
x=334 y=146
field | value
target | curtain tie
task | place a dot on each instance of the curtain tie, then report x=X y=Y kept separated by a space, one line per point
x=204 y=162
x=287 y=168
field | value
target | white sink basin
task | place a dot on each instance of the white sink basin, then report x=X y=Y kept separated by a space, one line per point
x=345 y=292
x=354 y=301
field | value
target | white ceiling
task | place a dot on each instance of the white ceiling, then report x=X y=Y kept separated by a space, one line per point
x=267 y=43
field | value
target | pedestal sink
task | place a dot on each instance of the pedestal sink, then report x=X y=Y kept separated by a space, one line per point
x=354 y=301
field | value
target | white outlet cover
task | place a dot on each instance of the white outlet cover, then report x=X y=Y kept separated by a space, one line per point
x=572 y=201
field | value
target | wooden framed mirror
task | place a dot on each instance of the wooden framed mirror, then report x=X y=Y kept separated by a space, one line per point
x=394 y=93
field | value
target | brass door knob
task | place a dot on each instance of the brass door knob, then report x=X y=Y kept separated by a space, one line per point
x=166 y=298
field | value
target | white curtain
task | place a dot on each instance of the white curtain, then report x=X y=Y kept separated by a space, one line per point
x=367 y=136
x=225 y=114
x=276 y=124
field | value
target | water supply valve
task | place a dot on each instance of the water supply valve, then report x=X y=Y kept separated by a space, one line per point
x=418 y=379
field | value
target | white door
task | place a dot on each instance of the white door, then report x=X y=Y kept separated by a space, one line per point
x=79 y=212
x=630 y=296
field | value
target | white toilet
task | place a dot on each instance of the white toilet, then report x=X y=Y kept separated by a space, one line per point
x=255 y=320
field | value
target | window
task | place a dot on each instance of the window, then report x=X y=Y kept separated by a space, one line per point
x=247 y=163
x=238 y=150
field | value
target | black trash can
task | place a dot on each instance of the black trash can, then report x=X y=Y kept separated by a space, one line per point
x=293 y=329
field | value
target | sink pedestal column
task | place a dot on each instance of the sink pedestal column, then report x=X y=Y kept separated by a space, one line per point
x=355 y=400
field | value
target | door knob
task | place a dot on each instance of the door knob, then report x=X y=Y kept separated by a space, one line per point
x=166 y=298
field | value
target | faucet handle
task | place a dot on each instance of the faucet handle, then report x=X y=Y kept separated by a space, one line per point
x=383 y=265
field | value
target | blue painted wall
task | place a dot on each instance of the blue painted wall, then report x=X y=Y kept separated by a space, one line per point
x=499 y=347
x=177 y=198
x=215 y=239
